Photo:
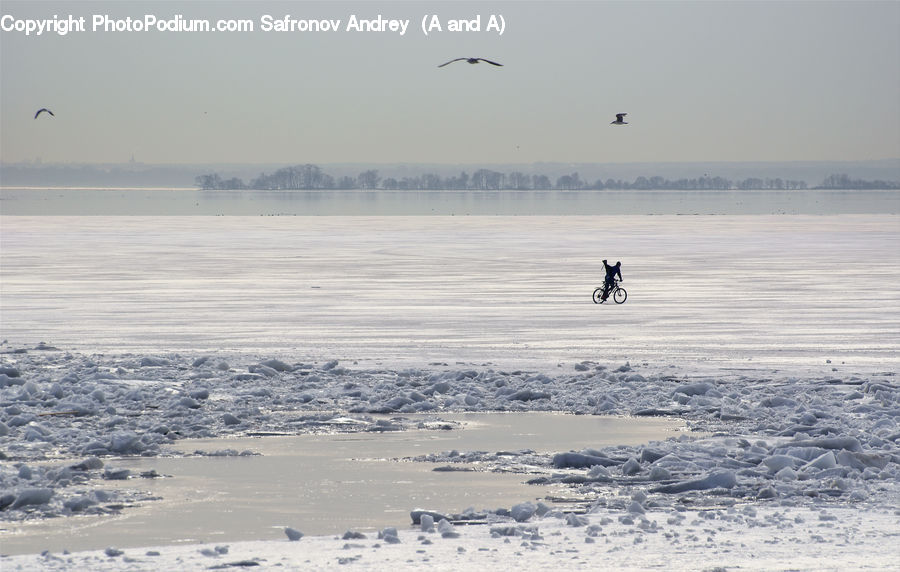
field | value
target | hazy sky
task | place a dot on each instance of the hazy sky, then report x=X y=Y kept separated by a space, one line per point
x=700 y=81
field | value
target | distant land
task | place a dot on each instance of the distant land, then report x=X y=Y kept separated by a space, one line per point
x=145 y=175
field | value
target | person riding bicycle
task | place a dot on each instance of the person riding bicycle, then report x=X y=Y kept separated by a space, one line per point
x=611 y=273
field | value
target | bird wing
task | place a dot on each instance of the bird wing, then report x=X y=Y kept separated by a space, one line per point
x=451 y=61
x=41 y=110
x=490 y=62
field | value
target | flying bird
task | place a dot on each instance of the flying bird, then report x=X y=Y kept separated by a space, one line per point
x=620 y=119
x=471 y=61
x=41 y=110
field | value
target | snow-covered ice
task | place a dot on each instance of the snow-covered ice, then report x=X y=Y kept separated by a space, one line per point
x=512 y=291
x=773 y=338
x=785 y=460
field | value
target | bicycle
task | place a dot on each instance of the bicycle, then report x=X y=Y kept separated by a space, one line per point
x=619 y=295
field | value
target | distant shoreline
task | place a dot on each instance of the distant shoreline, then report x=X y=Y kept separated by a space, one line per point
x=148 y=175
x=492 y=191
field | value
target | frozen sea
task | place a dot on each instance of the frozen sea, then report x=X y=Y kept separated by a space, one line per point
x=386 y=290
x=768 y=324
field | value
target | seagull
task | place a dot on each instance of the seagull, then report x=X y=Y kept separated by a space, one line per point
x=472 y=61
x=619 y=119
x=41 y=110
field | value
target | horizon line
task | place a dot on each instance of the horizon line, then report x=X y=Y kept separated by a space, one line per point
x=187 y=164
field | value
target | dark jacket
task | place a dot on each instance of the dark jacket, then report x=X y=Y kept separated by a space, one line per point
x=612 y=271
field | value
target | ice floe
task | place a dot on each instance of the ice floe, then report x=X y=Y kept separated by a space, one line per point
x=763 y=442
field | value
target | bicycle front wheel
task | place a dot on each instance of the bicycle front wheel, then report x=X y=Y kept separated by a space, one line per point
x=620 y=295
x=598 y=295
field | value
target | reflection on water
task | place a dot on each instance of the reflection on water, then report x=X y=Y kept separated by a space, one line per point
x=326 y=484
x=157 y=202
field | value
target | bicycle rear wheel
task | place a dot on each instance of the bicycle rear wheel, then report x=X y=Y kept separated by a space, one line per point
x=598 y=295
x=620 y=295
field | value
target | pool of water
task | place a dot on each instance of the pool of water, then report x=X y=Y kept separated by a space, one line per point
x=326 y=484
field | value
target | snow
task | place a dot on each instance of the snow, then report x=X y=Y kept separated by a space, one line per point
x=515 y=292
x=792 y=460
x=766 y=539
x=804 y=467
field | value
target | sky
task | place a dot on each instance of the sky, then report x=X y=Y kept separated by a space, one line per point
x=700 y=81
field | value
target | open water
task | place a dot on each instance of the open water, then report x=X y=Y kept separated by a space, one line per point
x=326 y=484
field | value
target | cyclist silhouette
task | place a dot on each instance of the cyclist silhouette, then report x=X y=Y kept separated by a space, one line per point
x=611 y=273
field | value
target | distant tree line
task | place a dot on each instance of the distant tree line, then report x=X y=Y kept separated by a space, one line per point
x=845 y=182
x=311 y=177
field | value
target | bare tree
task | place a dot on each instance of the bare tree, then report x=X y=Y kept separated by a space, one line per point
x=368 y=179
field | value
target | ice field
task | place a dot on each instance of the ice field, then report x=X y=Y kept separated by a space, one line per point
x=774 y=338
x=386 y=290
